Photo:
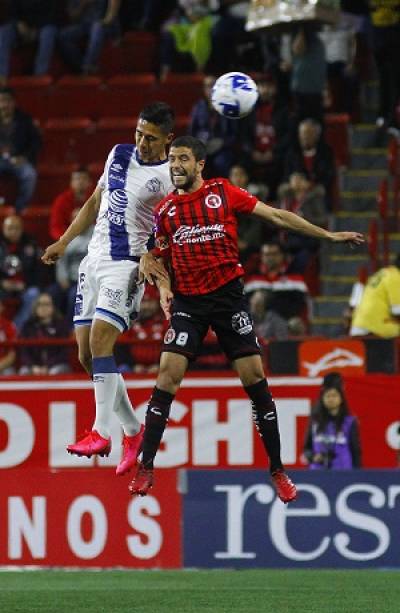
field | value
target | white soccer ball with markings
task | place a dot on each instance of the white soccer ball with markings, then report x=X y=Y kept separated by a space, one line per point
x=234 y=95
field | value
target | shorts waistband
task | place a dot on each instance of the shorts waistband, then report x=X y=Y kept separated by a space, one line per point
x=131 y=258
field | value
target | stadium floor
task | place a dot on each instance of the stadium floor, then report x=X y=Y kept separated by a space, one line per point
x=192 y=591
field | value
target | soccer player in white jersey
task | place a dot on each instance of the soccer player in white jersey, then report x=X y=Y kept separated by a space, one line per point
x=134 y=180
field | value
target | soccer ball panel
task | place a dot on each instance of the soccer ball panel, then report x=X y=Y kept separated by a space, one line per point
x=234 y=95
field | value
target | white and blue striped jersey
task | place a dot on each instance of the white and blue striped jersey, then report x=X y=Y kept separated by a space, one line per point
x=130 y=191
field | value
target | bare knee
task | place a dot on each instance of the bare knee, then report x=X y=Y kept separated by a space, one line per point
x=102 y=339
x=171 y=374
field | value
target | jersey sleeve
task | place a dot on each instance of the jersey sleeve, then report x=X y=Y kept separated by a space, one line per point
x=102 y=181
x=240 y=199
x=393 y=289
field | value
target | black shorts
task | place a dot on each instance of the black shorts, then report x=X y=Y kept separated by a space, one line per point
x=225 y=310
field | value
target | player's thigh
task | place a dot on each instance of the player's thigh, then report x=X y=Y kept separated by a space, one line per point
x=86 y=293
x=187 y=329
x=119 y=295
x=233 y=325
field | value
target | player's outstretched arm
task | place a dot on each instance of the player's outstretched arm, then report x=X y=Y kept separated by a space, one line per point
x=291 y=221
x=85 y=218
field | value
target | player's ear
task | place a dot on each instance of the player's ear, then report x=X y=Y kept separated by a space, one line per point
x=201 y=164
x=170 y=138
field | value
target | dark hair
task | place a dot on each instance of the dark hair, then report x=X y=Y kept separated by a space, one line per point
x=8 y=91
x=197 y=146
x=321 y=415
x=333 y=379
x=160 y=114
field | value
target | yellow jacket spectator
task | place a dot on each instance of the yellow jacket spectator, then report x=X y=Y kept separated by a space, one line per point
x=378 y=311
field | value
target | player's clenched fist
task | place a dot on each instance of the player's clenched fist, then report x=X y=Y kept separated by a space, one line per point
x=53 y=253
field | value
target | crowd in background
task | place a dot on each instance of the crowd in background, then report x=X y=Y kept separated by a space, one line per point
x=279 y=152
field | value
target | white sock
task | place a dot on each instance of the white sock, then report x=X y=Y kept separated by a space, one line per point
x=105 y=380
x=124 y=410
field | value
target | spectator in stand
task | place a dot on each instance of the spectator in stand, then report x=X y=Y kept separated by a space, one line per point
x=304 y=59
x=279 y=305
x=300 y=196
x=340 y=43
x=377 y=311
x=7 y=28
x=312 y=156
x=45 y=323
x=385 y=19
x=63 y=291
x=147 y=333
x=67 y=202
x=268 y=136
x=19 y=268
x=186 y=41
x=332 y=439
x=37 y=22
x=219 y=134
x=20 y=143
x=8 y=332
x=250 y=233
x=92 y=21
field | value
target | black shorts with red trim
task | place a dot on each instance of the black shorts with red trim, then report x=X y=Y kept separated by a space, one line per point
x=225 y=309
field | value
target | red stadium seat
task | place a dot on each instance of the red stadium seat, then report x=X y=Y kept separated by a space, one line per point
x=181 y=91
x=52 y=180
x=32 y=94
x=126 y=95
x=8 y=191
x=181 y=125
x=76 y=96
x=65 y=140
x=140 y=51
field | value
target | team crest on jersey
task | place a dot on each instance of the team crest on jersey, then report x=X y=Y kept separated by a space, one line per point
x=154 y=185
x=241 y=323
x=213 y=201
x=169 y=336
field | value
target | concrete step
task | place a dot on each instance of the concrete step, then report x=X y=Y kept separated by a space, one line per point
x=364 y=135
x=354 y=222
x=329 y=306
x=344 y=264
x=374 y=157
x=337 y=285
x=359 y=201
x=330 y=327
x=362 y=180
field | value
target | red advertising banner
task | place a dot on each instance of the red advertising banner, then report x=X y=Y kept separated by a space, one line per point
x=210 y=424
x=87 y=518
x=317 y=357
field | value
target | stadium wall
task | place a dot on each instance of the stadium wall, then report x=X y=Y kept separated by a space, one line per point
x=59 y=510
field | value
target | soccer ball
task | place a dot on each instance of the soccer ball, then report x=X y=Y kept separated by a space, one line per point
x=234 y=95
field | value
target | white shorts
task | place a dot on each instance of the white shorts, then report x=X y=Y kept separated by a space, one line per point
x=107 y=290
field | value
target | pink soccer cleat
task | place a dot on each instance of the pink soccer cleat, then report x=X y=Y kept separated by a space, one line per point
x=132 y=446
x=142 y=481
x=285 y=488
x=91 y=444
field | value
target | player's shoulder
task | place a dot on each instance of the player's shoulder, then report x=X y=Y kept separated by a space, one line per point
x=216 y=182
x=164 y=204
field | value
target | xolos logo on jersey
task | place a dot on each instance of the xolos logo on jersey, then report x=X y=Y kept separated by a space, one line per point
x=213 y=201
x=241 y=323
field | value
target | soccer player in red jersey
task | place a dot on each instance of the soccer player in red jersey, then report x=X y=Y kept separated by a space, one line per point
x=196 y=232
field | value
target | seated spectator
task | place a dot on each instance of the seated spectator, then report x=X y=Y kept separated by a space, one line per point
x=91 y=21
x=7 y=29
x=268 y=134
x=312 y=156
x=146 y=334
x=19 y=268
x=284 y=297
x=186 y=41
x=332 y=439
x=67 y=202
x=8 y=332
x=20 y=143
x=218 y=133
x=250 y=231
x=300 y=196
x=63 y=291
x=45 y=322
x=377 y=311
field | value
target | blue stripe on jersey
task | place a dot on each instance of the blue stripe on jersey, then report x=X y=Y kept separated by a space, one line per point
x=118 y=201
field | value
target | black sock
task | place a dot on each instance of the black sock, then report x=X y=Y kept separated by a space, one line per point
x=266 y=421
x=156 y=420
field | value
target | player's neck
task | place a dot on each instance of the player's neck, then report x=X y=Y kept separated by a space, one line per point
x=193 y=188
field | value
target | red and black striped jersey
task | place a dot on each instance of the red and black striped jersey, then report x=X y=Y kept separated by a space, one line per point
x=198 y=233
